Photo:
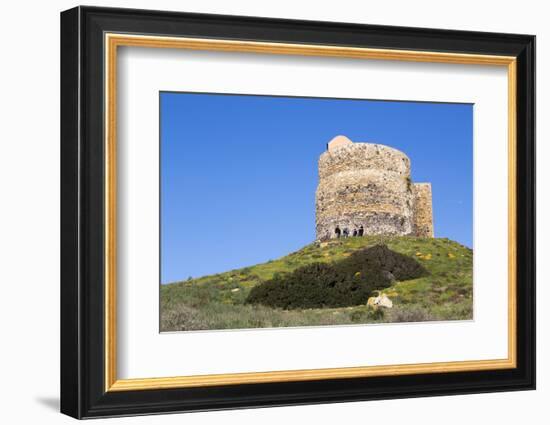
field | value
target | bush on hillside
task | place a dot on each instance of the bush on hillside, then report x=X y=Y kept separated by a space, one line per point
x=344 y=283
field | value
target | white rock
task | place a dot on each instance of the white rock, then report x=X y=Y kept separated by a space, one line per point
x=382 y=301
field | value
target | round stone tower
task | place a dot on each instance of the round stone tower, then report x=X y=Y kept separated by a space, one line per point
x=364 y=189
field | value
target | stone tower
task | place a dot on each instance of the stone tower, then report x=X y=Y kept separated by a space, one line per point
x=366 y=189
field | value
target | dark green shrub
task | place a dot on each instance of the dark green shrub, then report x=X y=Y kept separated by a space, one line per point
x=345 y=283
x=381 y=258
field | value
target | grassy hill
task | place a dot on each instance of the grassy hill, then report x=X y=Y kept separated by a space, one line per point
x=218 y=301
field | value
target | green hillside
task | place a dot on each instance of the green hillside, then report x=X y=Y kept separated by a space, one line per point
x=218 y=301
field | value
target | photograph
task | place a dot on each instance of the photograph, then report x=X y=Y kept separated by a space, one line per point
x=284 y=211
x=288 y=210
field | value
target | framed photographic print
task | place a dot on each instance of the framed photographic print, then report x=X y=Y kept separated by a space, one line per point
x=261 y=212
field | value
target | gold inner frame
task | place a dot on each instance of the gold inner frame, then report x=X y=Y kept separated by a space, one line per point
x=113 y=41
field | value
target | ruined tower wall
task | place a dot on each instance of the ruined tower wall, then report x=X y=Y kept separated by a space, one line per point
x=423 y=215
x=363 y=185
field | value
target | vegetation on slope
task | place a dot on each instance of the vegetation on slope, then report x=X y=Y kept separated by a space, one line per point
x=218 y=301
x=346 y=282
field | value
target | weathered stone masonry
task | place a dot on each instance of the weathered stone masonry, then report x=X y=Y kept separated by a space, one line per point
x=423 y=216
x=366 y=189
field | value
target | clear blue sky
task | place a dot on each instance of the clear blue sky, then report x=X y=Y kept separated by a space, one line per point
x=239 y=173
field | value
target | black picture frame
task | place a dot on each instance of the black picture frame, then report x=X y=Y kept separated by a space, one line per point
x=83 y=392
